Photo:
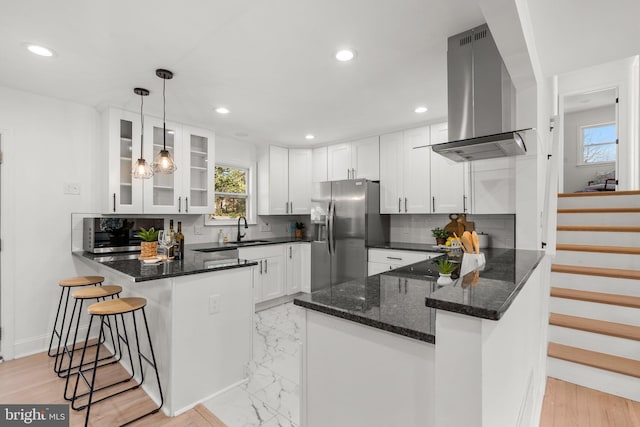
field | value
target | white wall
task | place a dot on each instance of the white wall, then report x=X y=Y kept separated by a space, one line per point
x=46 y=143
x=576 y=177
x=623 y=75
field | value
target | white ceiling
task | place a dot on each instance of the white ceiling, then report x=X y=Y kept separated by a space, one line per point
x=590 y=100
x=270 y=62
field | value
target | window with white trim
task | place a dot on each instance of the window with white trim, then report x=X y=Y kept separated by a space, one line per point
x=232 y=194
x=597 y=144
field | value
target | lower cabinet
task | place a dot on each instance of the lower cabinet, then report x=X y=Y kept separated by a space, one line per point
x=269 y=276
x=298 y=267
x=381 y=260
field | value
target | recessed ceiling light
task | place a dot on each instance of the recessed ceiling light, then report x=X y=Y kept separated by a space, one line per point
x=171 y=132
x=421 y=110
x=309 y=136
x=241 y=134
x=39 y=50
x=345 y=55
x=222 y=110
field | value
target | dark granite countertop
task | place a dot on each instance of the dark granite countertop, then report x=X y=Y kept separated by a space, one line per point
x=420 y=247
x=215 y=246
x=394 y=301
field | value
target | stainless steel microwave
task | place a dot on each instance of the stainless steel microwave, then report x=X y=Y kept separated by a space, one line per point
x=107 y=235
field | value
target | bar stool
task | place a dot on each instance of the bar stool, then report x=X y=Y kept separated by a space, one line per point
x=98 y=293
x=66 y=286
x=114 y=308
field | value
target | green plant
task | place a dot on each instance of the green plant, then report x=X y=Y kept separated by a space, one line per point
x=440 y=233
x=445 y=266
x=150 y=235
x=299 y=225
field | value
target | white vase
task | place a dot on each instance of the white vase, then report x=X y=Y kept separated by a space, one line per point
x=444 y=279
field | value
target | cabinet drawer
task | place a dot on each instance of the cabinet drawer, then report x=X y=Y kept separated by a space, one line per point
x=257 y=252
x=387 y=256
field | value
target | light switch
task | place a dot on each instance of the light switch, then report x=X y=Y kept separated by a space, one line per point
x=71 y=188
x=214 y=304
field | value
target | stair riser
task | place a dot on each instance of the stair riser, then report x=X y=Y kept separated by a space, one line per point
x=592 y=310
x=598 y=238
x=595 y=259
x=596 y=284
x=595 y=342
x=598 y=379
x=626 y=218
x=598 y=202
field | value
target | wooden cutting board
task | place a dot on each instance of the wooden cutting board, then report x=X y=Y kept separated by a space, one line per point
x=468 y=225
x=454 y=226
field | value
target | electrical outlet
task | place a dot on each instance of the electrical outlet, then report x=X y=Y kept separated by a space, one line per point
x=214 y=304
x=72 y=188
x=265 y=226
x=197 y=229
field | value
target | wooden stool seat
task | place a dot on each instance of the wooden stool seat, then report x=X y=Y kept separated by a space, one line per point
x=80 y=281
x=97 y=292
x=116 y=306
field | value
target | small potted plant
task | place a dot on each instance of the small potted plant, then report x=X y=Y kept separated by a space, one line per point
x=149 y=244
x=441 y=235
x=445 y=267
x=299 y=230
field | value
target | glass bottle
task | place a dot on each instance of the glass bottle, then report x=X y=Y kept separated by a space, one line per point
x=172 y=240
x=179 y=242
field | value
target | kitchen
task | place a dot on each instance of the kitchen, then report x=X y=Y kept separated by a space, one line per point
x=73 y=152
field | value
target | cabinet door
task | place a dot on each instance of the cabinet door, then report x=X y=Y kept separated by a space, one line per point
x=319 y=167
x=391 y=157
x=257 y=282
x=493 y=186
x=298 y=268
x=278 y=180
x=273 y=278
x=163 y=192
x=125 y=193
x=365 y=158
x=198 y=171
x=339 y=162
x=299 y=181
x=374 y=268
x=416 y=168
x=447 y=185
x=439 y=133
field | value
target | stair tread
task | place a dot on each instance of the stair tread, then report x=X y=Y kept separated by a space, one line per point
x=620 y=365
x=600 y=228
x=600 y=193
x=602 y=327
x=595 y=248
x=596 y=271
x=598 y=297
x=597 y=210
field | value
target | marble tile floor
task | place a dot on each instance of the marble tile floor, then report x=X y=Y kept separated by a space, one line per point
x=271 y=397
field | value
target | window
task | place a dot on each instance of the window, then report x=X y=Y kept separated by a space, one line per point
x=598 y=144
x=231 y=193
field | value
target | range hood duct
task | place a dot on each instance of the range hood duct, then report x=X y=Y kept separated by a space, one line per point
x=481 y=100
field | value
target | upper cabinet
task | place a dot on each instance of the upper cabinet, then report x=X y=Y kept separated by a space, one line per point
x=354 y=160
x=284 y=181
x=188 y=190
x=449 y=179
x=319 y=166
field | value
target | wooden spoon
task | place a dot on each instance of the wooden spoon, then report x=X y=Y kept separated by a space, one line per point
x=476 y=242
x=467 y=242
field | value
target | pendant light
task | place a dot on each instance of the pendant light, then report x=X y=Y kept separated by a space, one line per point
x=142 y=169
x=163 y=162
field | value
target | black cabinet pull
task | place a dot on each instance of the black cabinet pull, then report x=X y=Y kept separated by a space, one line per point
x=179 y=204
x=114 y=202
x=186 y=204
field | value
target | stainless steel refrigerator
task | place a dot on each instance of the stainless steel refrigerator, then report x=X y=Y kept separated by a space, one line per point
x=345 y=218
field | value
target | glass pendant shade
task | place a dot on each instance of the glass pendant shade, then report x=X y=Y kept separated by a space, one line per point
x=142 y=170
x=163 y=163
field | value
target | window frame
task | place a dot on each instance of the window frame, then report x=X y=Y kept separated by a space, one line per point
x=580 y=144
x=250 y=195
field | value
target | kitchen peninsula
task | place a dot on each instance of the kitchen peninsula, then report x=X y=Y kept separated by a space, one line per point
x=200 y=312
x=398 y=349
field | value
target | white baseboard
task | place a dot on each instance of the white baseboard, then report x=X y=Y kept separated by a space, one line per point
x=211 y=396
x=34 y=345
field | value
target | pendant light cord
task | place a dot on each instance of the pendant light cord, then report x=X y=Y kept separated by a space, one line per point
x=164 y=114
x=142 y=121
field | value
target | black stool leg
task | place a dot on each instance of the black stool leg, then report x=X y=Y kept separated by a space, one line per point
x=93 y=376
x=55 y=323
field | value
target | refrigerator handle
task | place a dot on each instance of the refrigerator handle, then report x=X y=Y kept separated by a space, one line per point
x=326 y=227
x=331 y=231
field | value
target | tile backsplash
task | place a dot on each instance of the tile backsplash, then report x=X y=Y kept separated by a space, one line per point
x=417 y=228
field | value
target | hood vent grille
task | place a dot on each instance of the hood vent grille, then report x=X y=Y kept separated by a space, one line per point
x=465 y=40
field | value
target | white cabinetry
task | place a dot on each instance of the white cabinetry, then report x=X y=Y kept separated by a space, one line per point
x=449 y=179
x=354 y=160
x=284 y=181
x=381 y=260
x=298 y=267
x=405 y=171
x=269 y=277
x=493 y=186
x=319 y=164
x=188 y=190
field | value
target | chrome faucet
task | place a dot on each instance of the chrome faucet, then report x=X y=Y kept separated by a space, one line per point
x=240 y=236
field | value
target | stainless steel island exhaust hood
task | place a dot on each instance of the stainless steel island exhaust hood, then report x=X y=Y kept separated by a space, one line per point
x=481 y=101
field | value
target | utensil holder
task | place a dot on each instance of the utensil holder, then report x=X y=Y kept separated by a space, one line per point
x=472 y=262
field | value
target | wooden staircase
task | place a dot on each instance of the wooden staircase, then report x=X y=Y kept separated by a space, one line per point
x=594 y=332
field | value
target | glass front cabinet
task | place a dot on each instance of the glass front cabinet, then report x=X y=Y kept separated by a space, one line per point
x=188 y=190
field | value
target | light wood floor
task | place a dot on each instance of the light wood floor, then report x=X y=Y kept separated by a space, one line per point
x=31 y=380
x=570 y=405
